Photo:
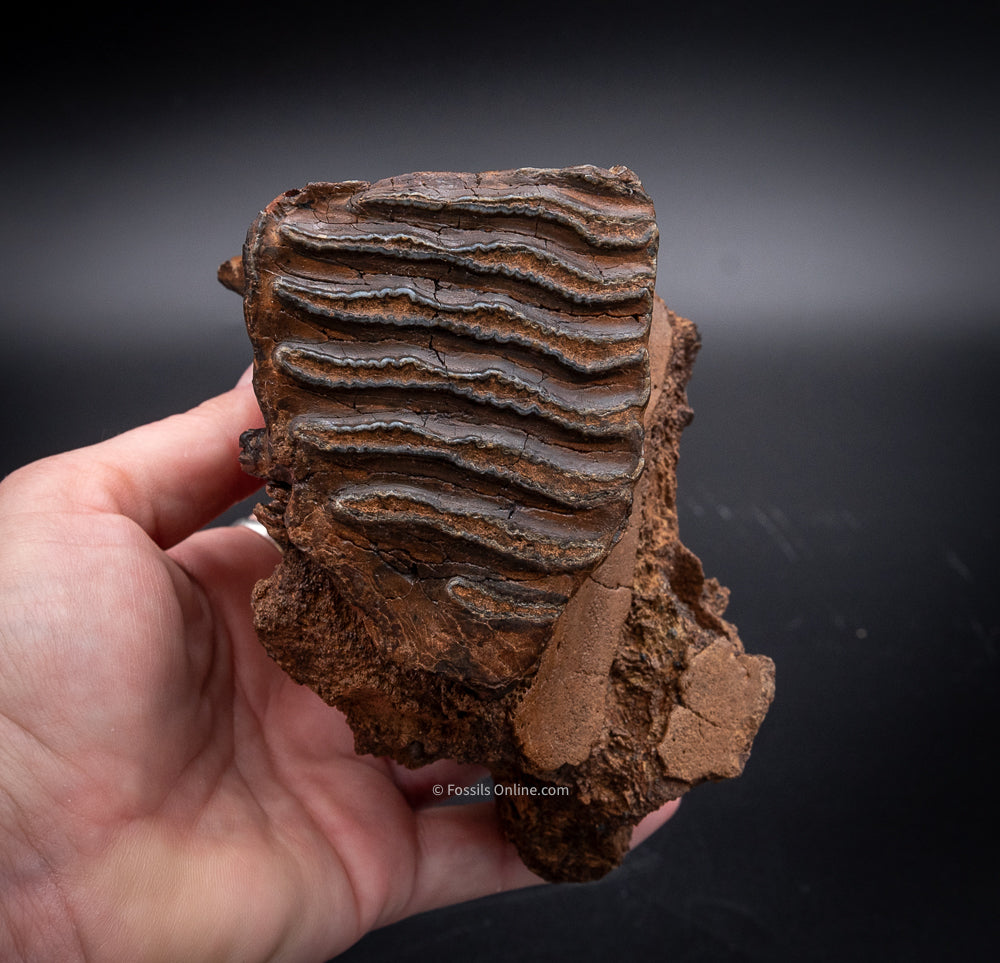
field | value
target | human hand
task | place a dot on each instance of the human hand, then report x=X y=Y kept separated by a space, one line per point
x=166 y=791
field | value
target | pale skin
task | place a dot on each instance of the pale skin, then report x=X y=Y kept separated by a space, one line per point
x=166 y=791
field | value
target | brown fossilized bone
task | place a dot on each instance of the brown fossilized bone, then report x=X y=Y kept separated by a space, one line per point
x=472 y=401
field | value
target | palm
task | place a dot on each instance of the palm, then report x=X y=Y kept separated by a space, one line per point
x=210 y=754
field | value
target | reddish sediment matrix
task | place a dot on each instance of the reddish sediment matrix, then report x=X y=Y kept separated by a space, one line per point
x=473 y=401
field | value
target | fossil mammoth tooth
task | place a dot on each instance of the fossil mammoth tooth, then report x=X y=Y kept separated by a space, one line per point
x=453 y=371
x=473 y=402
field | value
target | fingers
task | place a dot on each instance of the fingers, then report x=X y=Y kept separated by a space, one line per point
x=171 y=477
x=463 y=855
x=436 y=783
x=226 y=562
x=651 y=823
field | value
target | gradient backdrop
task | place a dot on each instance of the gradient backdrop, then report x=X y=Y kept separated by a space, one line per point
x=827 y=188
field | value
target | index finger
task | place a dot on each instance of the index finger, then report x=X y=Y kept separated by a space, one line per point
x=171 y=476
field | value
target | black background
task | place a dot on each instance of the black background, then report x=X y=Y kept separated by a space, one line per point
x=827 y=191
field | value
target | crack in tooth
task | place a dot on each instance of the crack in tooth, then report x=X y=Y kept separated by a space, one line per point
x=599 y=345
x=487 y=380
x=566 y=476
x=578 y=279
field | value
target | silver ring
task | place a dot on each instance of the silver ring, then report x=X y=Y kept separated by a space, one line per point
x=254 y=526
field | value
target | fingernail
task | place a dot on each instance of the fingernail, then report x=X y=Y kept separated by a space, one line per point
x=245 y=378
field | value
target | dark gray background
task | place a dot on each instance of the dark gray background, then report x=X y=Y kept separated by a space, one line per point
x=827 y=191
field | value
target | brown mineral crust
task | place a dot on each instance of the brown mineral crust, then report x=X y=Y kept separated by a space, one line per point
x=680 y=702
x=638 y=691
